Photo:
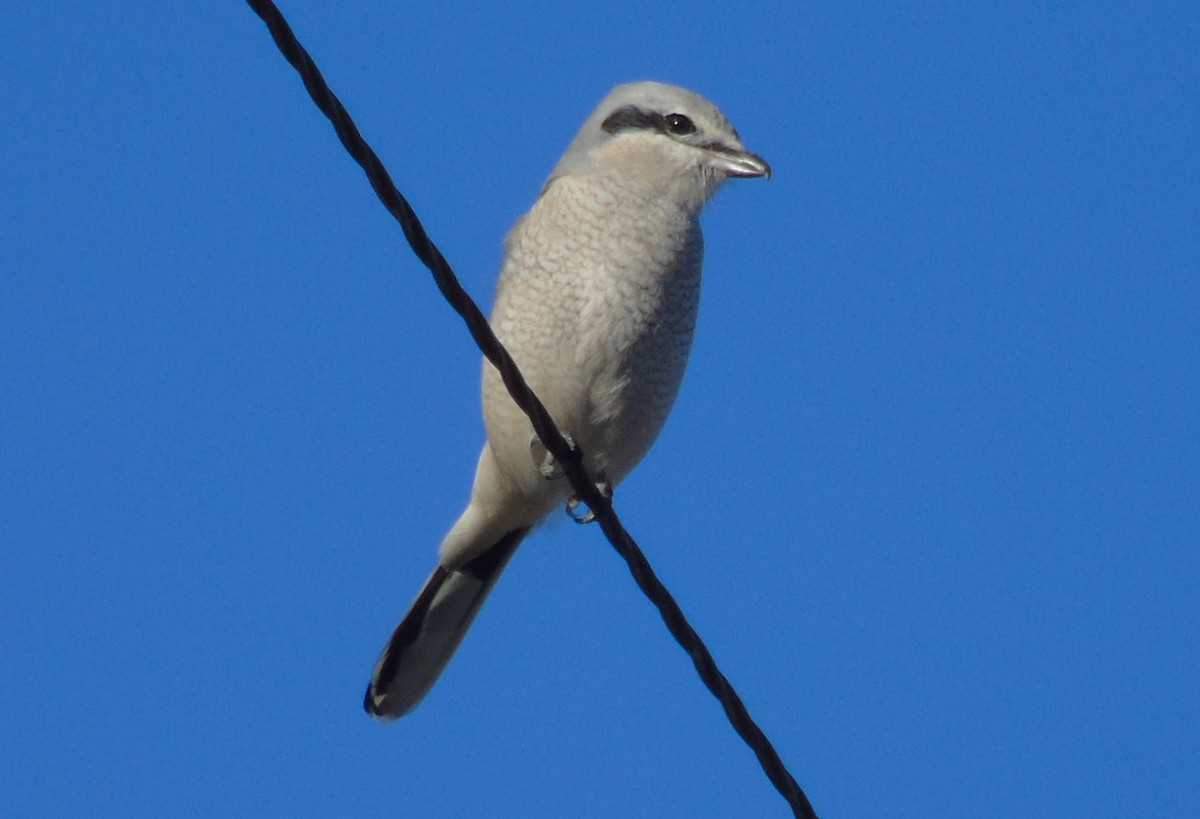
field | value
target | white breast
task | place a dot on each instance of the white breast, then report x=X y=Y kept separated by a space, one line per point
x=597 y=303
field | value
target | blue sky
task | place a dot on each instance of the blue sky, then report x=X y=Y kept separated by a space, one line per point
x=931 y=491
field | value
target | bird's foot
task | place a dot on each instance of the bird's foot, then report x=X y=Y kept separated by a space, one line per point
x=573 y=505
x=547 y=464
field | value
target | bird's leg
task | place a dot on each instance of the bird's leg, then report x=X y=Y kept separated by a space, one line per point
x=546 y=463
x=550 y=469
x=603 y=486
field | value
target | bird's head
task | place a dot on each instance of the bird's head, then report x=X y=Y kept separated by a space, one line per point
x=664 y=138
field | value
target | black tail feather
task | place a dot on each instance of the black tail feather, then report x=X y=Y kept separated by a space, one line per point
x=390 y=694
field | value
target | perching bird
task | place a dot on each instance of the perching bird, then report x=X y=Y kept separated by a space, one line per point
x=597 y=304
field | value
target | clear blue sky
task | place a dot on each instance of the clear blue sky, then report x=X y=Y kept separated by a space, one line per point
x=931 y=491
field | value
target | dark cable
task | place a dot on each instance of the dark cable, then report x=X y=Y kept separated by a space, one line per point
x=569 y=456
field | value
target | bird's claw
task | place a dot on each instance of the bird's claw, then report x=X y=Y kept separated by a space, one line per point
x=572 y=510
x=605 y=489
x=550 y=469
x=547 y=465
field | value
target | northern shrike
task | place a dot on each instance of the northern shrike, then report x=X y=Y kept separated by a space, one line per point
x=597 y=304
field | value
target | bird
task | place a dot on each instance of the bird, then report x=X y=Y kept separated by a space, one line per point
x=596 y=302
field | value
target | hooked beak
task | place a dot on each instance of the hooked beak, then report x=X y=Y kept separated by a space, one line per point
x=740 y=163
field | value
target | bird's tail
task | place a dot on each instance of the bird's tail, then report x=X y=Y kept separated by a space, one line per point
x=430 y=632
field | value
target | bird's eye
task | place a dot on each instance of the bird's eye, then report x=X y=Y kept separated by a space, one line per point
x=679 y=125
